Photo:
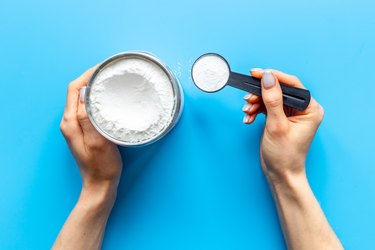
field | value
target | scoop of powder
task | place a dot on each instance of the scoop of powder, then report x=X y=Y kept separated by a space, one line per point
x=210 y=73
x=132 y=100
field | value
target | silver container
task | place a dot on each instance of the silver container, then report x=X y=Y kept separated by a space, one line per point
x=177 y=92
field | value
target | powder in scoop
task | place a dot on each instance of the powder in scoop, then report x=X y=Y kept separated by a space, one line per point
x=132 y=100
x=210 y=73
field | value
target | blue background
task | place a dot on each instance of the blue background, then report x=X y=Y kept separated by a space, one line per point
x=201 y=187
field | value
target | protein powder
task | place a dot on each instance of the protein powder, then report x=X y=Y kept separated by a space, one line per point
x=133 y=99
x=210 y=72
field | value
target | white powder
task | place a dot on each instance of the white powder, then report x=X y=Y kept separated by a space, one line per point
x=132 y=100
x=210 y=73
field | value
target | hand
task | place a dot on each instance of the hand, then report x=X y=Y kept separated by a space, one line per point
x=288 y=132
x=100 y=164
x=98 y=159
x=286 y=139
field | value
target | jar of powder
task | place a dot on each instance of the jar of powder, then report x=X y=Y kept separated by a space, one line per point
x=133 y=99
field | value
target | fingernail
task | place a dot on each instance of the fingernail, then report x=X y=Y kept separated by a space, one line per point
x=247 y=97
x=82 y=93
x=246 y=107
x=268 y=79
x=246 y=119
x=256 y=69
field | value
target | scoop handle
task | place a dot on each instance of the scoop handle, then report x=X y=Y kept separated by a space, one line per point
x=292 y=97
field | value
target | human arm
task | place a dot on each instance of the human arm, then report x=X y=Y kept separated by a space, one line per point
x=286 y=139
x=100 y=166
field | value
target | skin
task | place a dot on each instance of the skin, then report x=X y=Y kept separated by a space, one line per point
x=286 y=139
x=100 y=165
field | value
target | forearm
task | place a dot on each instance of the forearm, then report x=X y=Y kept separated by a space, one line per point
x=302 y=220
x=85 y=226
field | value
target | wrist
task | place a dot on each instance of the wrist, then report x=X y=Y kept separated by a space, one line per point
x=99 y=197
x=281 y=170
x=292 y=186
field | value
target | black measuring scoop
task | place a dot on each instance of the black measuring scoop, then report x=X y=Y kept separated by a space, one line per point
x=211 y=73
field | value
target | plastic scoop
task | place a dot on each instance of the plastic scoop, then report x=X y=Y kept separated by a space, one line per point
x=211 y=73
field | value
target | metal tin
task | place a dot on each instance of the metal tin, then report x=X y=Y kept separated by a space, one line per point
x=177 y=91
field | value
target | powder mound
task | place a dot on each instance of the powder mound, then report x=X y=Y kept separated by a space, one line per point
x=210 y=73
x=132 y=100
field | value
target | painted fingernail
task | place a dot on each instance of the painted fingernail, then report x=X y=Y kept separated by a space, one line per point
x=82 y=93
x=247 y=97
x=268 y=79
x=246 y=107
x=246 y=119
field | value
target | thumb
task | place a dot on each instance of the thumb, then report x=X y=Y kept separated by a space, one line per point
x=91 y=136
x=273 y=98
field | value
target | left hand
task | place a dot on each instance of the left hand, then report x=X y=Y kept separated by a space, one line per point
x=98 y=159
x=100 y=164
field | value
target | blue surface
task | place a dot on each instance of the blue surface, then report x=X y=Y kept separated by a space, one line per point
x=201 y=187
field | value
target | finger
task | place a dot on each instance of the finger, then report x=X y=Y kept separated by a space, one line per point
x=312 y=108
x=273 y=99
x=251 y=98
x=290 y=80
x=256 y=72
x=73 y=92
x=91 y=137
x=69 y=124
x=83 y=118
x=251 y=109
x=255 y=102
x=248 y=119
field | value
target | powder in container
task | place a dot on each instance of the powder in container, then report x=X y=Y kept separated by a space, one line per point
x=132 y=100
x=210 y=73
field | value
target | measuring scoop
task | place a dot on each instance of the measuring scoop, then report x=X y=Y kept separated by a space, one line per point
x=211 y=73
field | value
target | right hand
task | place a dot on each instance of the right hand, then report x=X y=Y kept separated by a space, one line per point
x=288 y=133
